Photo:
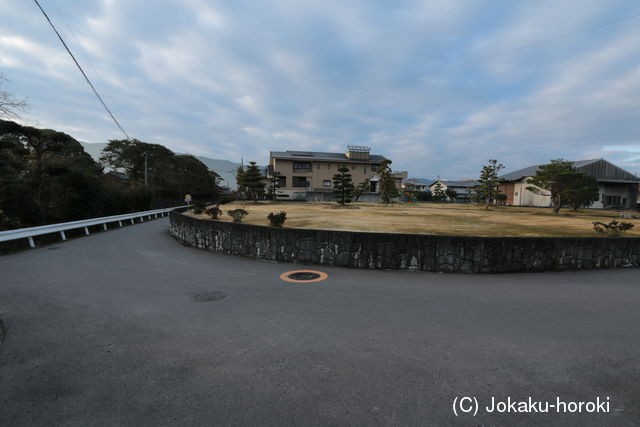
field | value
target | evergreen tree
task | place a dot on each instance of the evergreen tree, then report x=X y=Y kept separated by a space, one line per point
x=566 y=185
x=361 y=188
x=388 y=189
x=169 y=175
x=47 y=177
x=274 y=183
x=487 y=188
x=240 y=180
x=582 y=190
x=451 y=194
x=438 y=193
x=253 y=181
x=343 y=185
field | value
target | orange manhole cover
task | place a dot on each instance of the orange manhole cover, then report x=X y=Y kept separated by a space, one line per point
x=303 y=276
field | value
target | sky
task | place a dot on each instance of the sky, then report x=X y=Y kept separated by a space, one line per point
x=439 y=87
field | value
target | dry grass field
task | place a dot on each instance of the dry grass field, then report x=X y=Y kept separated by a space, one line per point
x=432 y=218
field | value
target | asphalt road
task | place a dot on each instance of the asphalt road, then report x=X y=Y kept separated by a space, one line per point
x=104 y=330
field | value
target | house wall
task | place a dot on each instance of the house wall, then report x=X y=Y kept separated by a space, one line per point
x=319 y=172
x=524 y=197
x=626 y=192
x=507 y=189
x=518 y=195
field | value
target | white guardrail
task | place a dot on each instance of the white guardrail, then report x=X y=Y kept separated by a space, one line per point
x=31 y=232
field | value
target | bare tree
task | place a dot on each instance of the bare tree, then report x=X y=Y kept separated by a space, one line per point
x=10 y=106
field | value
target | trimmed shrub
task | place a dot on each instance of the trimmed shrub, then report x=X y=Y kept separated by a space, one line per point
x=237 y=214
x=277 y=219
x=614 y=227
x=214 y=212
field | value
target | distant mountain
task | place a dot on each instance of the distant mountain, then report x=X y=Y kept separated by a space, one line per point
x=225 y=168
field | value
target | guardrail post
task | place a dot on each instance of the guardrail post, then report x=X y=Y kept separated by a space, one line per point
x=104 y=226
x=86 y=231
x=31 y=242
x=62 y=235
x=149 y=216
x=120 y=224
x=141 y=219
x=132 y=221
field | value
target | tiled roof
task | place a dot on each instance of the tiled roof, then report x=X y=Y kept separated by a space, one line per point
x=531 y=170
x=320 y=156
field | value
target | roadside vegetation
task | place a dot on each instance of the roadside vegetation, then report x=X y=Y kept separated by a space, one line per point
x=47 y=177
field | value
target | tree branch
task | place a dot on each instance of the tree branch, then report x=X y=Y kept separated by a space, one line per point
x=10 y=106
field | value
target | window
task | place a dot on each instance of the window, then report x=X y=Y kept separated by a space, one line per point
x=365 y=169
x=516 y=193
x=326 y=183
x=328 y=165
x=318 y=166
x=299 y=181
x=612 y=200
x=374 y=168
x=353 y=167
x=300 y=165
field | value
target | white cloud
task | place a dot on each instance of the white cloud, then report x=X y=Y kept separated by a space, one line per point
x=238 y=80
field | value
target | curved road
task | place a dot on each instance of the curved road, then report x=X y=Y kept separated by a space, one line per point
x=104 y=330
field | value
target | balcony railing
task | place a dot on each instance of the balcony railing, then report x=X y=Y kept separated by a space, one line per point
x=300 y=184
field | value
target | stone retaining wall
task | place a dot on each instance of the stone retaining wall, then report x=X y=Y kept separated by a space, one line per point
x=406 y=251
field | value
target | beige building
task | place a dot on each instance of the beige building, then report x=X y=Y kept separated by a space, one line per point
x=618 y=188
x=307 y=175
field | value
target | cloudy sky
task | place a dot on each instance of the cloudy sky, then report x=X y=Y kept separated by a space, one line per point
x=231 y=79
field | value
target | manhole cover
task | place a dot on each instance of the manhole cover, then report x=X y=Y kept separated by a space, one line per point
x=209 y=296
x=303 y=276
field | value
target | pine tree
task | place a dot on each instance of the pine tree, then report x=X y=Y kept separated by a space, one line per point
x=451 y=194
x=252 y=180
x=274 y=183
x=438 y=192
x=566 y=184
x=388 y=189
x=361 y=188
x=343 y=185
x=240 y=179
x=487 y=188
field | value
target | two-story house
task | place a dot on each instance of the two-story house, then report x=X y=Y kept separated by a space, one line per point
x=308 y=175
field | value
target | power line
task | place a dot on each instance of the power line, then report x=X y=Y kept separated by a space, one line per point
x=82 y=71
x=104 y=88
